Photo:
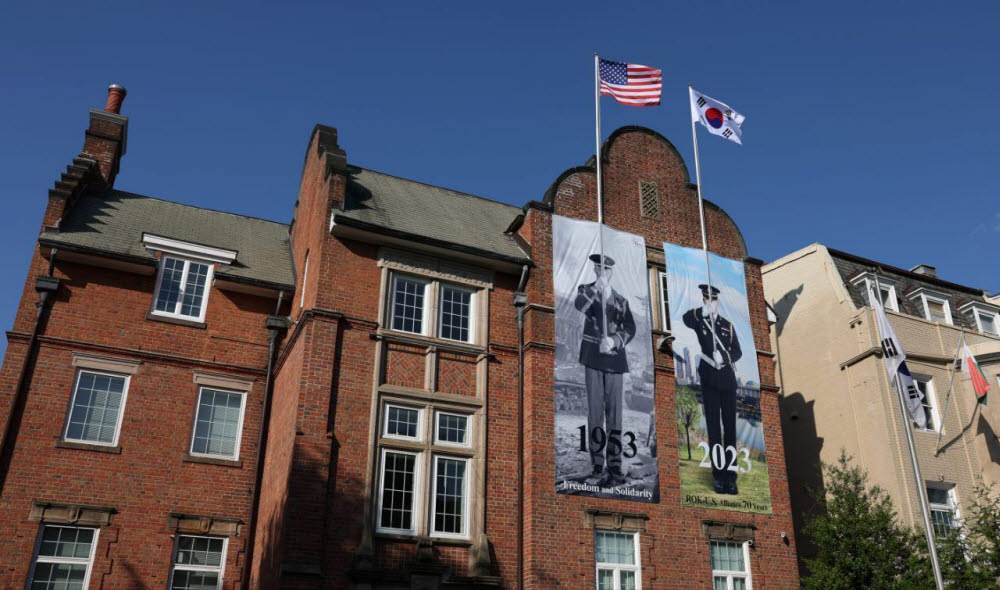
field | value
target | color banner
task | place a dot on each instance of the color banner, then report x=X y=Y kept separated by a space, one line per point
x=723 y=462
x=605 y=436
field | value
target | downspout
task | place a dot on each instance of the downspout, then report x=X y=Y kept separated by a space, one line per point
x=520 y=300
x=46 y=286
x=277 y=325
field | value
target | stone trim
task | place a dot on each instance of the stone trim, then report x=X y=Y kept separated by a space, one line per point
x=189 y=458
x=728 y=531
x=223 y=381
x=82 y=446
x=56 y=513
x=434 y=268
x=176 y=321
x=616 y=521
x=203 y=525
x=105 y=363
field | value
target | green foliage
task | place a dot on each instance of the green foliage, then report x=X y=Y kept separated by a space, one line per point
x=688 y=413
x=859 y=541
x=971 y=560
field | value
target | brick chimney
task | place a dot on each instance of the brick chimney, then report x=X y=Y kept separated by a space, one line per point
x=925 y=269
x=95 y=168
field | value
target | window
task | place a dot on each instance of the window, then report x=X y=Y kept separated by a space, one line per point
x=412 y=300
x=926 y=387
x=664 y=300
x=988 y=321
x=885 y=286
x=63 y=558
x=305 y=277
x=95 y=412
x=198 y=563
x=407 y=453
x=730 y=565
x=182 y=288
x=617 y=557
x=936 y=310
x=218 y=423
x=456 y=313
x=944 y=509
x=934 y=304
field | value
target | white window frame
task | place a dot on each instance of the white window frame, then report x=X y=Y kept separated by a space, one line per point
x=952 y=505
x=925 y=298
x=72 y=403
x=220 y=569
x=425 y=312
x=979 y=310
x=468 y=429
x=868 y=283
x=661 y=283
x=465 y=497
x=385 y=422
x=89 y=561
x=619 y=567
x=305 y=277
x=731 y=574
x=415 y=509
x=472 y=310
x=209 y=277
x=931 y=397
x=239 y=437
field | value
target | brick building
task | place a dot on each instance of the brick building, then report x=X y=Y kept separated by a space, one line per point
x=391 y=350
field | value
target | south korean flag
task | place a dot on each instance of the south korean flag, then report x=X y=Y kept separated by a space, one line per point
x=717 y=117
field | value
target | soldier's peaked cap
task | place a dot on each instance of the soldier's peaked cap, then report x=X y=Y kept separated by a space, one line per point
x=704 y=291
x=608 y=261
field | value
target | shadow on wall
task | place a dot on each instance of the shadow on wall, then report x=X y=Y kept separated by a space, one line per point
x=992 y=444
x=802 y=456
x=783 y=307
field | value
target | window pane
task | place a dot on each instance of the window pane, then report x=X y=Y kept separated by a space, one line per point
x=628 y=581
x=202 y=551
x=58 y=576
x=408 y=306
x=720 y=583
x=615 y=548
x=170 y=285
x=452 y=428
x=988 y=321
x=936 y=310
x=739 y=584
x=96 y=403
x=449 y=500
x=398 y=473
x=943 y=522
x=455 y=311
x=924 y=387
x=194 y=290
x=66 y=542
x=187 y=580
x=217 y=423
x=727 y=556
x=605 y=580
x=664 y=302
x=401 y=421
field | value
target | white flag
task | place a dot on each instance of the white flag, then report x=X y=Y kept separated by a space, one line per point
x=717 y=117
x=895 y=364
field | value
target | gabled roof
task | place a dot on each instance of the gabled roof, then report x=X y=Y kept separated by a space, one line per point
x=113 y=223
x=416 y=210
x=850 y=266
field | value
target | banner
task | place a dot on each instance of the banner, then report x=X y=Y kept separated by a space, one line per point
x=723 y=462
x=605 y=434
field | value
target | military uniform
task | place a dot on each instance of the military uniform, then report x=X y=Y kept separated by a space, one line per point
x=718 y=385
x=604 y=370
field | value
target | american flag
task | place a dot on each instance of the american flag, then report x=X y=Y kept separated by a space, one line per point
x=631 y=84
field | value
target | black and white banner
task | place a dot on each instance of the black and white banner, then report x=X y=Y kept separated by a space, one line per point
x=605 y=436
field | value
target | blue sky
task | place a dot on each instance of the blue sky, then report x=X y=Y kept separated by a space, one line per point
x=868 y=123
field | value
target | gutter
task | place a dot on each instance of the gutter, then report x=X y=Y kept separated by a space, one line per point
x=46 y=286
x=520 y=300
x=277 y=326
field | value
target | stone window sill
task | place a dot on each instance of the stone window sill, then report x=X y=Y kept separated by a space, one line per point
x=176 y=321
x=82 y=446
x=189 y=458
x=432 y=540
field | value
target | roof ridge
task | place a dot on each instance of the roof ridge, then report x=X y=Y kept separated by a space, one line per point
x=162 y=200
x=444 y=188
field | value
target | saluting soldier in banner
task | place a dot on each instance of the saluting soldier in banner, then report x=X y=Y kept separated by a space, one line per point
x=720 y=349
x=603 y=356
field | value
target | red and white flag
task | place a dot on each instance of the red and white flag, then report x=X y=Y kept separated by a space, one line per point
x=971 y=368
x=631 y=84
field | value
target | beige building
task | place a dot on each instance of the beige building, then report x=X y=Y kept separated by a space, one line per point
x=835 y=393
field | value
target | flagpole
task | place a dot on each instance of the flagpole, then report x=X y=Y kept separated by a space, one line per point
x=951 y=385
x=600 y=189
x=921 y=486
x=701 y=215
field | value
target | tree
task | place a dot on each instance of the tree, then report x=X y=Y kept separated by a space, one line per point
x=970 y=556
x=859 y=541
x=688 y=413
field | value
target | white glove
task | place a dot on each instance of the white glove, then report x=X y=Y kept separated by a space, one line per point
x=717 y=356
x=607 y=345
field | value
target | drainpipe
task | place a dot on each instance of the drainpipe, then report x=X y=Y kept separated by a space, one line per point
x=277 y=325
x=520 y=300
x=46 y=286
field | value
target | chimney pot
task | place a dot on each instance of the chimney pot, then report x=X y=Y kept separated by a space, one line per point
x=116 y=94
